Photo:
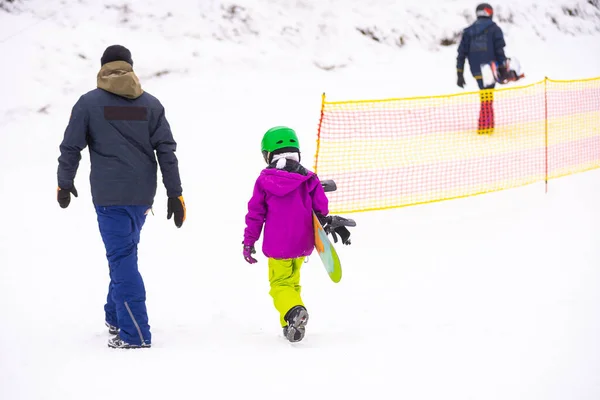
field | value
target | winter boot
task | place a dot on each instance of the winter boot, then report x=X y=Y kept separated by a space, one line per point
x=297 y=319
x=113 y=330
x=118 y=343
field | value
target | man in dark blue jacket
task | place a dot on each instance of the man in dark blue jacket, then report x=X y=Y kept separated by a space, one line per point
x=126 y=131
x=482 y=43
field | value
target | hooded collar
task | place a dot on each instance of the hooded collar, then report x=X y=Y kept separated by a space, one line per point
x=482 y=24
x=117 y=77
x=288 y=162
x=280 y=182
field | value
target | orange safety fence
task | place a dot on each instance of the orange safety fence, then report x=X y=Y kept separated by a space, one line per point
x=398 y=152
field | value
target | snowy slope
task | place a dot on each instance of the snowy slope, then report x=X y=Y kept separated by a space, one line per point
x=397 y=40
x=491 y=297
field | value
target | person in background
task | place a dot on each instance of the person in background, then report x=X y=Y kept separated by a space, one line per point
x=482 y=43
x=126 y=131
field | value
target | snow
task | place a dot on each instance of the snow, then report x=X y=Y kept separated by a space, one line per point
x=490 y=297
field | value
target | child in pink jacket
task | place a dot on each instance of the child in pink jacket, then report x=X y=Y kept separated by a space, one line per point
x=285 y=196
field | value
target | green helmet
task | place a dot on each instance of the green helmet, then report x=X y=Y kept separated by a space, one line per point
x=278 y=140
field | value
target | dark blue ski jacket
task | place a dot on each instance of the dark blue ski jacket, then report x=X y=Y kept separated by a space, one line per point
x=481 y=43
x=123 y=132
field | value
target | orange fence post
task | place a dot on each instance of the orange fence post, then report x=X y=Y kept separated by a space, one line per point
x=319 y=131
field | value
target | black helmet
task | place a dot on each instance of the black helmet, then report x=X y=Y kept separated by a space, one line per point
x=484 y=10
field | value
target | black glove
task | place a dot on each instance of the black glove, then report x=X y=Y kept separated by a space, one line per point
x=322 y=219
x=64 y=196
x=336 y=225
x=343 y=232
x=461 y=80
x=176 y=205
x=502 y=73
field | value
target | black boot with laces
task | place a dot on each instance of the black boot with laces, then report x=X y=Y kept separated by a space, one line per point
x=297 y=318
x=118 y=343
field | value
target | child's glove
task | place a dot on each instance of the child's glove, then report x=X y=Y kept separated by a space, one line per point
x=248 y=251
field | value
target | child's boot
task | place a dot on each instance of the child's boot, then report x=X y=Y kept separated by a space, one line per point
x=296 y=318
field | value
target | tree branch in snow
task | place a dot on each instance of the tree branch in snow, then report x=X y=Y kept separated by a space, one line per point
x=449 y=41
x=370 y=33
x=329 y=67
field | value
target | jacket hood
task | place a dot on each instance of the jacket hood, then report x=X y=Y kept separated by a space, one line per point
x=117 y=77
x=482 y=24
x=280 y=182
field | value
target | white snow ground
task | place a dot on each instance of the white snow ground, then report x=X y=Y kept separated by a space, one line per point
x=491 y=297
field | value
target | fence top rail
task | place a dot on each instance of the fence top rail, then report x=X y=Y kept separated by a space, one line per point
x=445 y=96
x=573 y=80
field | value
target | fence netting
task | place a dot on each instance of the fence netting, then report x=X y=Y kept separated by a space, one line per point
x=397 y=152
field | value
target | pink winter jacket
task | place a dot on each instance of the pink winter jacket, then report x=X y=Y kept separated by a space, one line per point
x=284 y=202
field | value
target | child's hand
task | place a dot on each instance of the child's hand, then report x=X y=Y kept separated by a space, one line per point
x=248 y=251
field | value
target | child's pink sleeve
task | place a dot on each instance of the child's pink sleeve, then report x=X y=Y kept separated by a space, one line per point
x=255 y=218
x=319 y=199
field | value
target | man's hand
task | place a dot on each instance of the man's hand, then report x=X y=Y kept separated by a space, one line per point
x=64 y=196
x=461 y=79
x=502 y=73
x=176 y=205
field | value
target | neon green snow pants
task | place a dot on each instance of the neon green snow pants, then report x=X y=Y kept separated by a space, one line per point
x=284 y=277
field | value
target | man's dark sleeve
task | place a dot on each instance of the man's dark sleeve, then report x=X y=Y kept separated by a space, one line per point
x=499 y=45
x=165 y=146
x=463 y=50
x=74 y=141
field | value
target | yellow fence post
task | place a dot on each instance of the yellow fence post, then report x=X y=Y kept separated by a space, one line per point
x=546 y=125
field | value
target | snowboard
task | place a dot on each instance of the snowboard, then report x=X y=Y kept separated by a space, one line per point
x=327 y=252
x=490 y=73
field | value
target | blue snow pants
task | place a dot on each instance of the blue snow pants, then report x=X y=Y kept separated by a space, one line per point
x=125 y=307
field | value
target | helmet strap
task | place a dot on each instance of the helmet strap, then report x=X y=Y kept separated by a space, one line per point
x=266 y=156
